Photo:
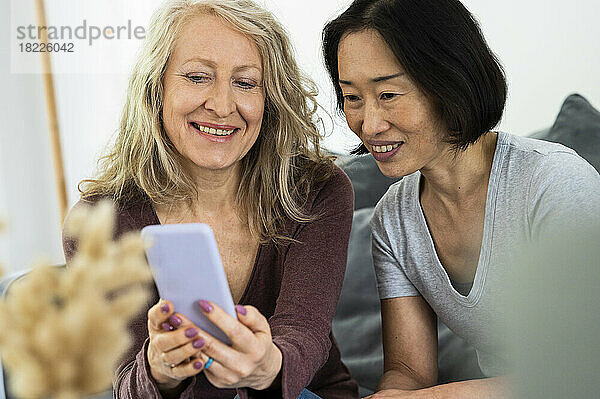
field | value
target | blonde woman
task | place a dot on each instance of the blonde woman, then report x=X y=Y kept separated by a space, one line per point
x=218 y=128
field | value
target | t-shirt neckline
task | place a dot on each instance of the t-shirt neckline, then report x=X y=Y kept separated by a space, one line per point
x=484 y=253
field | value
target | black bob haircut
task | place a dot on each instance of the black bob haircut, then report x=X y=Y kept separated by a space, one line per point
x=441 y=47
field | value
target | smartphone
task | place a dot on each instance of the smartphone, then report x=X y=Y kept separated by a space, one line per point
x=187 y=267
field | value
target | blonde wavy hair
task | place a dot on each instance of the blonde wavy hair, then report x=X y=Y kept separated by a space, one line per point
x=278 y=171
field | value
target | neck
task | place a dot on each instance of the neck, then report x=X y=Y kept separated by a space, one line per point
x=458 y=177
x=217 y=194
x=217 y=189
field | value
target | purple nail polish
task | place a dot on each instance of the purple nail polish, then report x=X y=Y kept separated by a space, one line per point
x=240 y=309
x=199 y=343
x=166 y=326
x=198 y=365
x=191 y=332
x=205 y=305
x=165 y=308
x=174 y=320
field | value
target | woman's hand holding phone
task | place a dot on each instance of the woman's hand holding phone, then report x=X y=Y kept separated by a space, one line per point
x=173 y=347
x=178 y=349
x=252 y=360
x=185 y=261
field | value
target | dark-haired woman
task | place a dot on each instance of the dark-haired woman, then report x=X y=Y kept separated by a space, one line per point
x=422 y=90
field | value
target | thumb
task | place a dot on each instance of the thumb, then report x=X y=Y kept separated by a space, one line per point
x=253 y=319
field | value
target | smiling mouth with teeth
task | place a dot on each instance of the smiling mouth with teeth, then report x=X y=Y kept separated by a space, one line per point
x=385 y=148
x=213 y=131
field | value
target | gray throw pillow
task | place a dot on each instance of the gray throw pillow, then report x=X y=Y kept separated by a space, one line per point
x=577 y=126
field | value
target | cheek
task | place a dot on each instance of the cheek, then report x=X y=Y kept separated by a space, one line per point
x=252 y=111
x=180 y=99
x=354 y=121
x=170 y=110
x=167 y=116
x=177 y=103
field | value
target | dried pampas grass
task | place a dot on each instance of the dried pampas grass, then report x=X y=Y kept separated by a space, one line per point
x=62 y=332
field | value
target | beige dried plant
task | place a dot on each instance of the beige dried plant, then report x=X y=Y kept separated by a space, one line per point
x=62 y=332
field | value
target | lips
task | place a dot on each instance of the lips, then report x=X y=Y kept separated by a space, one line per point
x=385 y=148
x=214 y=133
x=383 y=151
x=217 y=130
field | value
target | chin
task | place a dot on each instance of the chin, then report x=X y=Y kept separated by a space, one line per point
x=215 y=166
x=211 y=164
x=393 y=171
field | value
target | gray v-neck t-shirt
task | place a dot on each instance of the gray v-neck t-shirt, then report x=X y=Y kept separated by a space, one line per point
x=535 y=187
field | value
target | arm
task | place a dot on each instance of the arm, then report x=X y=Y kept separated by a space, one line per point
x=313 y=273
x=133 y=377
x=489 y=388
x=409 y=344
x=410 y=350
x=285 y=353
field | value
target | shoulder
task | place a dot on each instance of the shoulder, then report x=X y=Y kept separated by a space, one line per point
x=336 y=190
x=536 y=153
x=547 y=163
x=85 y=203
x=399 y=197
x=69 y=241
x=131 y=213
x=395 y=214
x=558 y=186
x=531 y=146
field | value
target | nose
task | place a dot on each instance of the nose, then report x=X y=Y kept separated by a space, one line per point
x=374 y=121
x=220 y=100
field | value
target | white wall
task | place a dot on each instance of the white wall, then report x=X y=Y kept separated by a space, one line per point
x=549 y=49
x=27 y=196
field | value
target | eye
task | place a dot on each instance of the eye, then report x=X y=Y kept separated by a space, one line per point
x=388 y=96
x=245 y=84
x=197 y=78
x=351 y=98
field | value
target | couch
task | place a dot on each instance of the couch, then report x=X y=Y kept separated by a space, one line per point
x=357 y=324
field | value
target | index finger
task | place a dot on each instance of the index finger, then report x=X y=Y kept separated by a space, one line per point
x=159 y=314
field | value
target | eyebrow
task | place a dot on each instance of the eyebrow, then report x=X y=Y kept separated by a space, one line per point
x=377 y=79
x=213 y=65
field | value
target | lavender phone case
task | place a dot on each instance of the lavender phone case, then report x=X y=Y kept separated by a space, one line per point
x=186 y=265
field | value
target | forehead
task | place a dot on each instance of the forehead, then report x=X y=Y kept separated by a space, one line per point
x=212 y=38
x=365 y=54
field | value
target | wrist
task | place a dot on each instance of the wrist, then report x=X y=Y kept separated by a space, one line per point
x=169 y=391
x=164 y=382
x=274 y=364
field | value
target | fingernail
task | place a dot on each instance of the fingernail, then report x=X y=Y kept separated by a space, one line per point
x=205 y=305
x=166 y=326
x=175 y=321
x=199 y=343
x=198 y=365
x=165 y=308
x=191 y=332
x=240 y=309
